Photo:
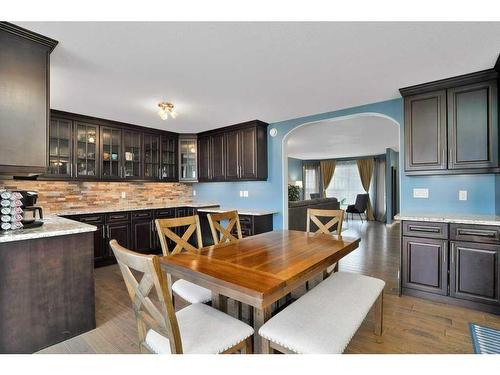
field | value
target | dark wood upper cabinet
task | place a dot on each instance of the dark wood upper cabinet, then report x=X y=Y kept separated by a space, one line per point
x=425 y=131
x=151 y=157
x=451 y=126
x=232 y=155
x=475 y=272
x=235 y=153
x=473 y=126
x=86 y=150
x=60 y=147
x=204 y=172
x=24 y=101
x=169 y=157
x=133 y=155
x=111 y=153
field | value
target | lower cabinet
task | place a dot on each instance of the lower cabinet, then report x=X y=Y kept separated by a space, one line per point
x=474 y=272
x=143 y=235
x=425 y=265
x=461 y=267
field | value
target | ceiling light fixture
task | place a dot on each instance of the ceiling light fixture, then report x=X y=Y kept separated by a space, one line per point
x=166 y=109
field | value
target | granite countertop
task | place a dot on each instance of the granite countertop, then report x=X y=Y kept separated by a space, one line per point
x=451 y=218
x=100 y=210
x=52 y=226
x=241 y=211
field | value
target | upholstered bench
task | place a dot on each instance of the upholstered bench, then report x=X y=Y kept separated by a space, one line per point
x=326 y=318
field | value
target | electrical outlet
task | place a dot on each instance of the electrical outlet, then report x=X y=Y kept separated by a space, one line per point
x=420 y=193
x=462 y=195
x=245 y=193
x=124 y=195
x=241 y=193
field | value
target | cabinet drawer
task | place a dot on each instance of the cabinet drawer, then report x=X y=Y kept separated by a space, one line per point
x=117 y=217
x=425 y=229
x=142 y=215
x=475 y=233
x=165 y=212
x=89 y=219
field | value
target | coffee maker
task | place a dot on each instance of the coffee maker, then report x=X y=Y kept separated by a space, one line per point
x=30 y=209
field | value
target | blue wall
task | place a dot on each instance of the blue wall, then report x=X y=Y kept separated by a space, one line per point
x=443 y=190
x=294 y=170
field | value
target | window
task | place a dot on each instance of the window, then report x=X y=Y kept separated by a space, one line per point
x=345 y=183
x=311 y=180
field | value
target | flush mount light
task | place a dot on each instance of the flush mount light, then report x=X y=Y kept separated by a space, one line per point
x=166 y=109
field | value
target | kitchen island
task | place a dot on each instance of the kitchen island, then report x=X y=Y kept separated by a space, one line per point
x=452 y=258
x=46 y=284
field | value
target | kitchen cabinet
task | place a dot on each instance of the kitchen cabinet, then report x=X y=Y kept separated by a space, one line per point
x=188 y=169
x=143 y=240
x=86 y=150
x=451 y=125
x=425 y=264
x=111 y=151
x=132 y=155
x=169 y=157
x=234 y=153
x=473 y=126
x=474 y=272
x=60 y=147
x=452 y=263
x=151 y=156
x=24 y=102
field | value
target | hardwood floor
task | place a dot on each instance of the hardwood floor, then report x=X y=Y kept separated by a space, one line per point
x=411 y=325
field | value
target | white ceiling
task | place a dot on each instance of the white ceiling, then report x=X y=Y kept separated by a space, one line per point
x=218 y=74
x=358 y=136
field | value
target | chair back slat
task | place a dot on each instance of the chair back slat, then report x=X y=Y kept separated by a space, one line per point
x=337 y=217
x=159 y=317
x=164 y=228
x=222 y=234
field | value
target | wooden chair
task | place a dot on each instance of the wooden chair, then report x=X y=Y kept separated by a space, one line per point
x=222 y=234
x=337 y=217
x=188 y=291
x=195 y=329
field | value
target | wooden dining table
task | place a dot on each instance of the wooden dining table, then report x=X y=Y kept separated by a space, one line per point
x=261 y=269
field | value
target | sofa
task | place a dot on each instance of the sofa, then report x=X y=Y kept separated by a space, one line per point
x=297 y=211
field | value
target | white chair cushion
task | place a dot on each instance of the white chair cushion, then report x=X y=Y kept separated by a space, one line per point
x=190 y=292
x=325 y=319
x=204 y=330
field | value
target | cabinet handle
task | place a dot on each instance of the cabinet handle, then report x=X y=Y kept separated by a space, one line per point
x=71 y=170
x=475 y=232
x=417 y=228
x=89 y=219
x=104 y=233
x=109 y=235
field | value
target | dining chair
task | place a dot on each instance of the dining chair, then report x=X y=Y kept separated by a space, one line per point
x=221 y=234
x=188 y=291
x=195 y=329
x=224 y=234
x=327 y=227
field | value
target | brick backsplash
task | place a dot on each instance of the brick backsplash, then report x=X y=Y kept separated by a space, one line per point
x=58 y=196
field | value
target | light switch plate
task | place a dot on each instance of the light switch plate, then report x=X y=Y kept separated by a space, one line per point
x=194 y=193
x=245 y=193
x=241 y=193
x=462 y=195
x=420 y=193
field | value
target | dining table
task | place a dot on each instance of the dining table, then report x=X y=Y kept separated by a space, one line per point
x=259 y=270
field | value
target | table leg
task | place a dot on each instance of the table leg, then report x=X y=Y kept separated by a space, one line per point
x=219 y=302
x=260 y=316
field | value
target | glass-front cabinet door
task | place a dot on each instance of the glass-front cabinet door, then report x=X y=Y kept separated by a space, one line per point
x=187 y=159
x=151 y=156
x=86 y=150
x=60 y=141
x=168 y=158
x=132 y=157
x=111 y=143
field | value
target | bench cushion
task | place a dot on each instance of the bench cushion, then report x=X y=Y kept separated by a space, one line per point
x=204 y=330
x=190 y=292
x=325 y=319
